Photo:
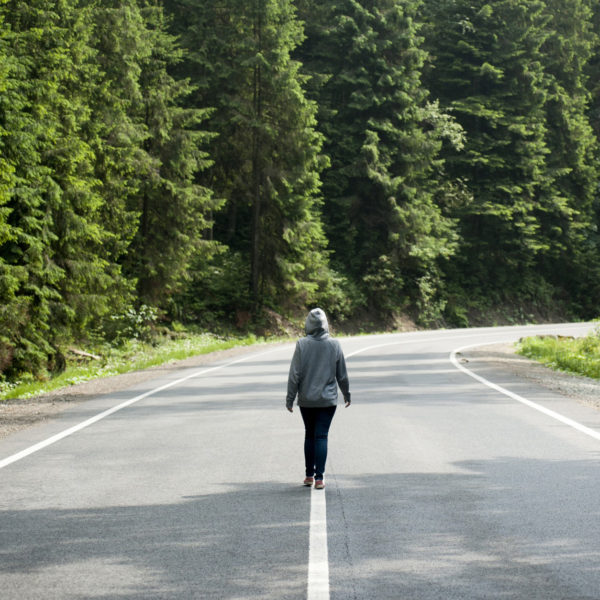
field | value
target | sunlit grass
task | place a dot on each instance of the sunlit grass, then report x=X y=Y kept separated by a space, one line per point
x=134 y=356
x=580 y=356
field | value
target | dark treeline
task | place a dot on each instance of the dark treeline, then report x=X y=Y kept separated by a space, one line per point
x=212 y=159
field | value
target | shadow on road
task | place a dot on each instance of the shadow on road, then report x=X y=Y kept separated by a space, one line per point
x=502 y=529
x=250 y=541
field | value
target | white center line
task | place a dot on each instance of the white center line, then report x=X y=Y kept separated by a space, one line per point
x=318 y=558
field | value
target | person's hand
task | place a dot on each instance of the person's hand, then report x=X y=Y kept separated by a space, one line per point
x=290 y=409
x=347 y=403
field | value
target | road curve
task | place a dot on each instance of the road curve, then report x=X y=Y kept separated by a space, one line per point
x=438 y=485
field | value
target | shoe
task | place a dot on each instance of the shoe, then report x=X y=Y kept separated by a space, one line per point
x=309 y=481
x=319 y=485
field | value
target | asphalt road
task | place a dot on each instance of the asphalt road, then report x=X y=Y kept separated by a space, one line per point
x=438 y=486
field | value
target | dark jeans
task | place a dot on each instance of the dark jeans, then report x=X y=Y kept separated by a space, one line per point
x=316 y=424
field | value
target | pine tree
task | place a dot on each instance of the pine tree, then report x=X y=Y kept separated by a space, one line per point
x=571 y=224
x=95 y=137
x=78 y=250
x=31 y=122
x=173 y=207
x=6 y=168
x=8 y=277
x=116 y=134
x=64 y=279
x=593 y=85
x=384 y=137
x=487 y=60
x=593 y=70
x=267 y=151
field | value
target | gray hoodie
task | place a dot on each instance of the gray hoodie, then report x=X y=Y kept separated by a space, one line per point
x=318 y=366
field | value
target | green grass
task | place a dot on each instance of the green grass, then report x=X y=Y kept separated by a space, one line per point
x=134 y=356
x=580 y=355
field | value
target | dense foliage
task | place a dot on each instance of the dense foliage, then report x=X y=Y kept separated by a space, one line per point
x=385 y=183
x=580 y=356
x=209 y=161
x=512 y=73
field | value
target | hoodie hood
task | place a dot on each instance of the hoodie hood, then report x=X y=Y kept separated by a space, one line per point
x=316 y=322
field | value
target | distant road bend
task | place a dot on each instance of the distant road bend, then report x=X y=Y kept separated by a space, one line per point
x=446 y=479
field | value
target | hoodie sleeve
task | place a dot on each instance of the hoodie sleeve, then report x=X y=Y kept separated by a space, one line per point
x=342 y=375
x=293 y=378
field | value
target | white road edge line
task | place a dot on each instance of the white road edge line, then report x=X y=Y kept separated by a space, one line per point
x=67 y=432
x=570 y=422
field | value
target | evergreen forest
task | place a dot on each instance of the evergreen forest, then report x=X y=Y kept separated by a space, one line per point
x=213 y=162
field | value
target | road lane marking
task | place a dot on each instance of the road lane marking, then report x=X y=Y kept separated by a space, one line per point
x=67 y=432
x=318 y=554
x=566 y=420
x=52 y=440
x=318 y=558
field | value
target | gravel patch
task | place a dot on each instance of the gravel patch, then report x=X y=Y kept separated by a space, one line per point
x=581 y=389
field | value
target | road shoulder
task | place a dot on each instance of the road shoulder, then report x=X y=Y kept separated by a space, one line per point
x=19 y=414
x=503 y=356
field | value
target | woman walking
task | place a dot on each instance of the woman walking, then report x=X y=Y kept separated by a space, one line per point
x=317 y=368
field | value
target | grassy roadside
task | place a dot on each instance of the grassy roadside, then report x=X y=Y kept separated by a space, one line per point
x=133 y=356
x=580 y=356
